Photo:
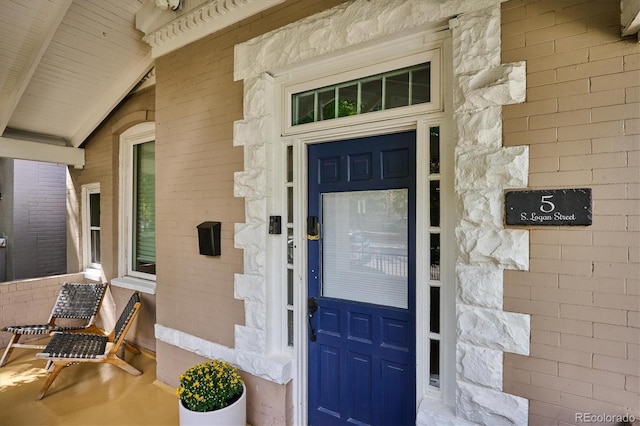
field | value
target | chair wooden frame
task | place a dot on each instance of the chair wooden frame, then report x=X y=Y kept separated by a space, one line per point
x=79 y=301
x=66 y=348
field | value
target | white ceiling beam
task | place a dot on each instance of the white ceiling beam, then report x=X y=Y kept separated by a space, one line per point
x=112 y=97
x=36 y=151
x=48 y=30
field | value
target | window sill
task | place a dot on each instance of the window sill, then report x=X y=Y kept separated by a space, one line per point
x=144 y=286
x=93 y=274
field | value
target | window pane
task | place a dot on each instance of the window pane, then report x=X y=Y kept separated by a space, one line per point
x=434 y=202
x=144 y=190
x=289 y=205
x=290 y=328
x=434 y=365
x=95 y=246
x=397 y=91
x=371 y=95
x=290 y=246
x=289 y=164
x=348 y=100
x=434 y=150
x=435 y=257
x=303 y=108
x=94 y=209
x=434 y=326
x=365 y=246
x=421 y=85
x=289 y=286
x=327 y=104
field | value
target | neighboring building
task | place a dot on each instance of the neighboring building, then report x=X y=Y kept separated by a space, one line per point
x=33 y=219
x=382 y=137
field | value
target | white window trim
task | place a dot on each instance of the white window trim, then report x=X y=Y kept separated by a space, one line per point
x=92 y=271
x=146 y=283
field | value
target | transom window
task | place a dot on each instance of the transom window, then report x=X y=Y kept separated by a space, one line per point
x=393 y=89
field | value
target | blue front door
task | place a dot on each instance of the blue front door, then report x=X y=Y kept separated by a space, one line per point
x=361 y=247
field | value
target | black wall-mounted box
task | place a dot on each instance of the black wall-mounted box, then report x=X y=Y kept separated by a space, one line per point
x=209 y=238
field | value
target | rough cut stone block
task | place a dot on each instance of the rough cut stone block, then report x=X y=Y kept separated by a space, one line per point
x=480 y=286
x=506 y=248
x=485 y=168
x=250 y=340
x=476 y=40
x=254 y=131
x=481 y=127
x=432 y=411
x=501 y=85
x=490 y=328
x=251 y=237
x=481 y=208
x=250 y=287
x=250 y=183
x=482 y=366
x=255 y=315
x=258 y=97
x=490 y=407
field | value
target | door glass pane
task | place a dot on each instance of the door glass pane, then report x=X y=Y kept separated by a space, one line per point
x=94 y=209
x=365 y=246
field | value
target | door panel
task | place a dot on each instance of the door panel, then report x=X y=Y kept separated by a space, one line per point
x=362 y=274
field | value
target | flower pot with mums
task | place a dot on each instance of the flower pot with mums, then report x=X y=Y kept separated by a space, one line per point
x=212 y=393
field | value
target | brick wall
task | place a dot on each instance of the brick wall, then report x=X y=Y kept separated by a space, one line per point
x=582 y=122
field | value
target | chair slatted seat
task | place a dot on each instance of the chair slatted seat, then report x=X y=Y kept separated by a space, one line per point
x=76 y=301
x=66 y=348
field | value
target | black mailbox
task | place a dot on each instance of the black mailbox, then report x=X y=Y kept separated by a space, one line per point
x=209 y=238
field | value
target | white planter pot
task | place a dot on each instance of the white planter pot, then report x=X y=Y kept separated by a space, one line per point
x=233 y=415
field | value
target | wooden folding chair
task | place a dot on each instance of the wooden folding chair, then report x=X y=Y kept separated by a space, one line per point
x=76 y=301
x=66 y=349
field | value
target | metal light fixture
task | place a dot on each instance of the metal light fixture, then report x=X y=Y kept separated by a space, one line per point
x=168 y=4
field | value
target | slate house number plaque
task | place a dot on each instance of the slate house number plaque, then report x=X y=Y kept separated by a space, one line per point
x=556 y=207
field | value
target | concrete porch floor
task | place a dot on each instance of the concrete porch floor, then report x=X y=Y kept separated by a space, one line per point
x=84 y=394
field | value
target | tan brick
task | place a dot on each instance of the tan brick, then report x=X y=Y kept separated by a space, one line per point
x=561 y=266
x=615 y=112
x=566 y=356
x=615 y=81
x=594 y=253
x=594 y=161
x=533 y=307
x=632 y=62
x=512 y=41
x=633 y=158
x=616 y=239
x=616 y=270
x=558 y=119
x=537 y=393
x=516 y=374
x=530 y=278
x=557 y=61
x=541 y=78
x=621 y=207
x=591 y=100
x=619 y=333
x=555 y=149
x=616 y=144
x=609 y=285
x=632 y=126
x=530 y=363
x=617 y=301
x=574 y=297
x=547 y=164
x=550 y=338
x=530 y=137
x=590 y=69
x=597 y=315
x=515 y=125
x=591 y=375
x=557 y=90
x=595 y=130
x=619 y=175
x=591 y=345
x=632 y=384
x=545 y=414
x=526 y=25
x=611 y=50
x=588 y=39
x=609 y=223
x=588 y=405
x=562 y=384
x=517 y=291
x=528 y=52
x=569 y=237
x=633 y=351
x=633 y=287
x=562 y=325
x=529 y=108
x=553 y=180
x=624 y=366
x=632 y=94
x=556 y=32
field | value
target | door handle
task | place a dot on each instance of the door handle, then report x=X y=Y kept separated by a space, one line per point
x=312 y=308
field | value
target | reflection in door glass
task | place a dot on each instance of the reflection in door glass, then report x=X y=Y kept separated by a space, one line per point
x=435 y=257
x=434 y=356
x=365 y=246
x=434 y=202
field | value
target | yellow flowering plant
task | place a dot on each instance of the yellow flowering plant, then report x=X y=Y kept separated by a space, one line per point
x=210 y=386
